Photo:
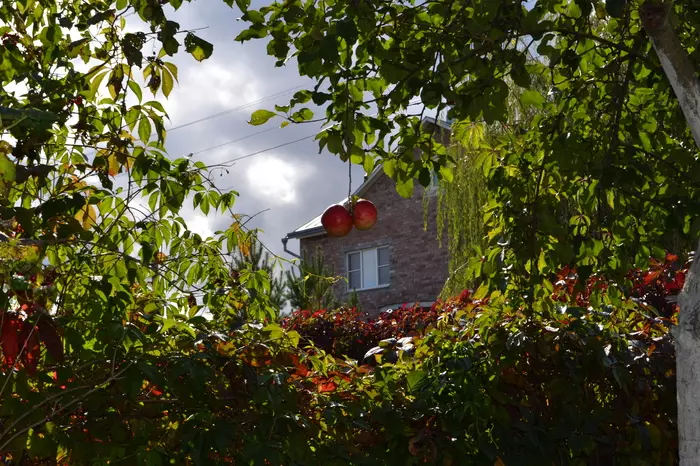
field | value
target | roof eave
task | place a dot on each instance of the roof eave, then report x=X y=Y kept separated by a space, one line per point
x=311 y=232
x=374 y=176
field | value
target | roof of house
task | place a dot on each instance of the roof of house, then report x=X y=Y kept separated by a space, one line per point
x=314 y=228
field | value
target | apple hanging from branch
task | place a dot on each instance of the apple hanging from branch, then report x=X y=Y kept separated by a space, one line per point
x=364 y=214
x=337 y=221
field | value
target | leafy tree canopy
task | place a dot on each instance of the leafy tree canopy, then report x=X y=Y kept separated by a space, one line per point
x=106 y=355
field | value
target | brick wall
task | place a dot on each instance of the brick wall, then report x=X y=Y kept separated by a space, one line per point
x=418 y=266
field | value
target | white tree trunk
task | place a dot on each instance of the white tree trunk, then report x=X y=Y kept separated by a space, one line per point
x=687 y=339
x=679 y=71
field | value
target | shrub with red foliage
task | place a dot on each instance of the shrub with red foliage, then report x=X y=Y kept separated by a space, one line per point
x=348 y=332
x=483 y=383
x=655 y=287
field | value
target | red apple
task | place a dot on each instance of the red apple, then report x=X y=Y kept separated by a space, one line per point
x=336 y=220
x=364 y=214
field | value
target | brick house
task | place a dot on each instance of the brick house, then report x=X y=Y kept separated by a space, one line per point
x=395 y=262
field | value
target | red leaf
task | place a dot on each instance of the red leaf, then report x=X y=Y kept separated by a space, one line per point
x=10 y=336
x=32 y=351
x=155 y=391
x=679 y=280
x=671 y=257
x=327 y=386
x=650 y=277
x=301 y=369
x=52 y=340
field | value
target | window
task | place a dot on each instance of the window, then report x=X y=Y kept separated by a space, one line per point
x=368 y=268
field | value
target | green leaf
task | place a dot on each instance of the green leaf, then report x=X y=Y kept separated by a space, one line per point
x=446 y=173
x=144 y=129
x=405 y=188
x=151 y=373
x=261 y=117
x=530 y=97
x=542 y=262
x=304 y=114
x=425 y=177
x=368 y=163
x=172 y=69
x=146 y=252
x=334 y=143
x=257 y=31
x=167 y=83
x=136 y=89
x=95 y=84
x=482 y=291
x=198 y=48
x=40 y=446
x=275 y=331
x=12 y=115
x=416 y=381
x=646 y=142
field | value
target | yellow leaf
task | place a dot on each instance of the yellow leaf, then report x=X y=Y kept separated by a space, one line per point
x=112 y=165
x=127 y=135
x=244 y=248
x=76 y=183
x=87 y=216
x=5 y=147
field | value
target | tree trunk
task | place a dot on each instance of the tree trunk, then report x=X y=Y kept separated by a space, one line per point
x=679 y=71
x=687 y=340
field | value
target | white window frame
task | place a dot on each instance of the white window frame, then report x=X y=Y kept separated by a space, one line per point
x=362 y=252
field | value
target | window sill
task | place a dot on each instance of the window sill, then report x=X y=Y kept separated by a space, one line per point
x=380 y=287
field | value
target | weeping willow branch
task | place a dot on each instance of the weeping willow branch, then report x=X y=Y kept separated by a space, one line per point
x=460 y=206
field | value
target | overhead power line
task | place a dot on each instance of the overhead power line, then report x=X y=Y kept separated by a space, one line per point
x=235 y=140
x=228 y=162
x=231 y=110
x=235 y=109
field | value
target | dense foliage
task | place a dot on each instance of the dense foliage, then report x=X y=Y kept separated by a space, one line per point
x=460 y=209
x=473 y=381
x=107 y=357
x=470 y=381
x=592 y=385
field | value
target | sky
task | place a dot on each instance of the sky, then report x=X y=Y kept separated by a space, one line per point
x=291 y=184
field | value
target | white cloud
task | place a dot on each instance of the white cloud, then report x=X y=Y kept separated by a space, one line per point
x=275 y=180
x=210 y=87
x=199 y=224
